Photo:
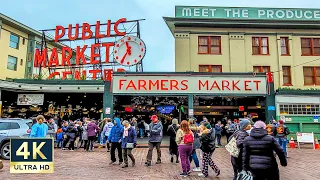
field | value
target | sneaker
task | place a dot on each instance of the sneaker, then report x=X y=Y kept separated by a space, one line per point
x=189 y=172
x=111 y=163
x=171 y=160
x=71 y=150
x=125 y=166
x=218 y=172
x=120 y=163
x=197 y=169
x=64 y=148
x=177 y=161
x=148 y=163
x=202 y=175
x=133 y=163
x=183 y=174
x=158 y=162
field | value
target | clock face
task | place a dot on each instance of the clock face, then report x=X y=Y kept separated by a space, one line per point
x=129 y=50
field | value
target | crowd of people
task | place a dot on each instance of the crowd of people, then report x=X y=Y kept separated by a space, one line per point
x=190 y=141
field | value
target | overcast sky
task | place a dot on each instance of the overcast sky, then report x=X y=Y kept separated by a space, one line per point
x=45 y=14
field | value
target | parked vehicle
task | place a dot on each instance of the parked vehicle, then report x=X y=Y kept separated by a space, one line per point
x=12 y=128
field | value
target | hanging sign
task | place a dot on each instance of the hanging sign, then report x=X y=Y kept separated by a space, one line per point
x=315 y=119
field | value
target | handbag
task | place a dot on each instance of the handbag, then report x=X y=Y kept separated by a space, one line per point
x=244 y=175
x=130 y=145
x=232 y=147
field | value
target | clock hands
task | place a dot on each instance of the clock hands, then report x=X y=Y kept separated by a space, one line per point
x=125 y=55
x=128 y=52
x=128 y=48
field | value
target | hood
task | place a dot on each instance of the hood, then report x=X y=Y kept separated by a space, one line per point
x=258 y=133
x=118 y=121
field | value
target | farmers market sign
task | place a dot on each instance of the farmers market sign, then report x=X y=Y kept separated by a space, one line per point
x=246 y=13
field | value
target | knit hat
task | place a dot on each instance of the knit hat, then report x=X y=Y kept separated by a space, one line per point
x=244 y=123
x=281 y=122
x=260 y=124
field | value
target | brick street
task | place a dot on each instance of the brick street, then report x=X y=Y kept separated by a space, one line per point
x=303 y=165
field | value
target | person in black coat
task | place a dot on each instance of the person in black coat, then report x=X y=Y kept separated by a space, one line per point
x=208 y=145
x=70 y=136
x=240 y=135
x=173 y=147
x=258 y=154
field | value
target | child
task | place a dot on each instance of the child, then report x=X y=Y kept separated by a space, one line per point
x=59 y=139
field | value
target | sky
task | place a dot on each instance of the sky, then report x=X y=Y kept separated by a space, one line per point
x=47 y=14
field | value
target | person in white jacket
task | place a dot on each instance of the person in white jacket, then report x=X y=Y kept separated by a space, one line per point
x=147 y=128
x=106 y=131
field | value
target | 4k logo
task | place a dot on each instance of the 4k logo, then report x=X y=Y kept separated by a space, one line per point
x=31 y=155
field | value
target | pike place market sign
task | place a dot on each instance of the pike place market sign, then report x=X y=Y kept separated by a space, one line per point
x=138 y=84
x=246 y=13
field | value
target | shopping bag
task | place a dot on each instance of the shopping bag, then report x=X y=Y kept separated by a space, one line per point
x=244 y=175
x=232 y=148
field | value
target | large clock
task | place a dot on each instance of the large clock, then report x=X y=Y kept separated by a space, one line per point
x=129 y=50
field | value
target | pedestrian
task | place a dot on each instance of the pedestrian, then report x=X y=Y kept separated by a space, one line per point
x=52 y=129
x=196 y=144
x=185 y=139
x=208 y=145
x=78 y=134
x=282 y=132
x=147 y=128
x=106 y=132
x=155 y=139
x=258 y=156
x=101 y=136
x=84 y=136
x=39 y=130
x=70 y=137
x=271 y=128
x=230 y=129
x=59 y=139
x=128 y=143
x=218 y=131
x=92 y=130
x=114 y=138
x=134 y=124
x=240 y=135
x=141 y=128
x=173 y=147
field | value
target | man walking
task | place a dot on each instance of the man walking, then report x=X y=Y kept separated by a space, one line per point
x=115 y=137
x=155 y=139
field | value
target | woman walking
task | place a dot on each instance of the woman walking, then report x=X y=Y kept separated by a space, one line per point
x=258 y=154
x=128 y=143
x=196 y=144
x=185 y=139
x=173 y=147
x=92 y=130
x=208 y=145
x=84 y=141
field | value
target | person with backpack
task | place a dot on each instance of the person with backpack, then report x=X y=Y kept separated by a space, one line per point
x=281 y=134
x=173 y=147
x=208 y=145
x=184 y=140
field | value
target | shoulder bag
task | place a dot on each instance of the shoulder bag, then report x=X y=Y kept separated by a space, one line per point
x=232 y=147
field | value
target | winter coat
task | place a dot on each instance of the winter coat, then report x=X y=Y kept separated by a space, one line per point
x=71 y=132
x=107 y=129
x=156 y=132
x=92 y=129
x=231 y=128
x=116 y=132
x=208 y=141
x=39 y=130
x=172 y=132
x=218 y=129
x=237 y=161
x=282 y=131
x=258 y=151
x=131 y=138
x=195 y=129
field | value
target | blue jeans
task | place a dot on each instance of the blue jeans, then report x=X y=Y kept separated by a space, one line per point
x=141 y=132
x=194 y=157
x=283 y=143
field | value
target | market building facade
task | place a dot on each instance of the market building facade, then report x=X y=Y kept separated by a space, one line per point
x=278 y=40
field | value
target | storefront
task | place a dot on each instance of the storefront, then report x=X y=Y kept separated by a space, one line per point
x=300 y=109
x=192 y=85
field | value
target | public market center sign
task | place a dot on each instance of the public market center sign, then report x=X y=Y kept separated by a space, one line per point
x=162 y=84
x=246 y=13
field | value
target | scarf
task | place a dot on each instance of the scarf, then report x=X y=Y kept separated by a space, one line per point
x=126 y=131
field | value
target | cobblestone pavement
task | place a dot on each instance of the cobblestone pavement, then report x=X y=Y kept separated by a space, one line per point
x=303 y=165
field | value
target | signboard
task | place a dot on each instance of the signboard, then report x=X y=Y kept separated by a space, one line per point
x=252 y=13
x=31 y=155
x=165 y=109
x=191 y=112
x=30 y=99
x=271 y=108
x=305 y=138
x=188 y=84
x=108 y=110
x=315 y=119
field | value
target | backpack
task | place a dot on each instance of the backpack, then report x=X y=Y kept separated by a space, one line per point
x=188 y=138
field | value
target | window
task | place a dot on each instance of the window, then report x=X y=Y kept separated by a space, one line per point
x=286 y=75
x=310 y=46
x=210 y=68
x=311 y=75
x=14 y=41
x=299 y=109
x=12 y=63
x=261 y=69
x=14 y=126
x=260 y=46
x=4 y=126
x=284 y=42
x=209 y=45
